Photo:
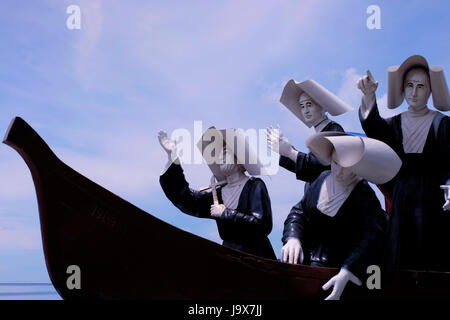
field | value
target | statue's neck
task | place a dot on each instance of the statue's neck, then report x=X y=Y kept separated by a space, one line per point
x=317 y=124
x=235 y=177
x=418 y=111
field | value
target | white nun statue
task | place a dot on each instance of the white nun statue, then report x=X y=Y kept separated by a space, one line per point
x=239 y=203
x=420 y=217
x=339 y=222
x=310 y=102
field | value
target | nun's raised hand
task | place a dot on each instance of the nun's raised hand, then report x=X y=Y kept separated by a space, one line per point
x=168 y=145
x=273 y=138
x=367 y=84
x=279 y=143
x=446 y=205
x=292 y=251
x=338 y=282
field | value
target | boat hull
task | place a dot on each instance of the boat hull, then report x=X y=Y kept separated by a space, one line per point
x=124 y=252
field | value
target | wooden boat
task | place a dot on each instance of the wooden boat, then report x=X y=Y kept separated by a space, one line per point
x=126 y=253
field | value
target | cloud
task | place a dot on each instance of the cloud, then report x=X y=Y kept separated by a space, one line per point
x=202 y=58
x=272 y=92
x=348 y=90
x=384 y=111
x=205 y=55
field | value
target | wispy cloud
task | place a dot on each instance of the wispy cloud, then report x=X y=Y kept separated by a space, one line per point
x=348 y=90
x=385 y=112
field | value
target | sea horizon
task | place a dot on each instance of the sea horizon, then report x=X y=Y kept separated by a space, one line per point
x=28 y=291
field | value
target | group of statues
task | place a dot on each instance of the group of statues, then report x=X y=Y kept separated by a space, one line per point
x=339 y=222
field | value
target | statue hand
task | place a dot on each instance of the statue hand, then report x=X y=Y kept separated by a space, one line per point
x=279 y=143
x=292 y=251
x=168 y=145
x=217 y=210
x=339 y=282
x=367 y=84
x=446 y=205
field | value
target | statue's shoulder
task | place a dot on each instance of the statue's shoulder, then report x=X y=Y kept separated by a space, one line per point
x=440 y=118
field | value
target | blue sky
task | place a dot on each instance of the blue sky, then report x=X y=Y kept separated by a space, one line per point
x=99 y=95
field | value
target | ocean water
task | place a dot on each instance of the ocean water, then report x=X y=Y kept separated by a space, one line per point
x=28 y=291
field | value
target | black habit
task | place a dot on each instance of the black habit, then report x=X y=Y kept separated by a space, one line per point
x=419 y=229
x=352 y=239
x=245 y=229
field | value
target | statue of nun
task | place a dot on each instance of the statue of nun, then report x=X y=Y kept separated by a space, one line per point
x=420 y=217
x=310 y=102
x=239 y=203
x=339 y=222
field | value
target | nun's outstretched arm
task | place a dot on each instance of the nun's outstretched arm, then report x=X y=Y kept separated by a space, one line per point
x=306 y=166
x=176 y=188
x=377 y=127
x=372 y=123
x=368 y=85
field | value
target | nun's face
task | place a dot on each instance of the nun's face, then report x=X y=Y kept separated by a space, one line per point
x=229 y=165
x=417 y=88
x=311 y=111
x=229 y=169
x=341 y=174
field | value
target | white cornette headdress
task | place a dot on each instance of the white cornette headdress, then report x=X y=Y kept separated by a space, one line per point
x=324 y=98
x=439 y=88
x=368 y=158
x=211 y=146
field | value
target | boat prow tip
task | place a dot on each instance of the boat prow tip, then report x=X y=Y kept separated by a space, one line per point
x=14 y=122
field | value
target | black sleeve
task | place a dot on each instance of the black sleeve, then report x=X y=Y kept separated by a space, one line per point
x=176 y=188
x=374 y=223
x=378 y=128
x=287 y=163
x=306 y=168
x=296 y=225
x=444 y=143
x=334 y=126
x=259 y=220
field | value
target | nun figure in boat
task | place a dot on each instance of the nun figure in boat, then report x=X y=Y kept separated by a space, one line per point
x=308 y=101
x=239 y=203
x=339 y=222
x=418 y=236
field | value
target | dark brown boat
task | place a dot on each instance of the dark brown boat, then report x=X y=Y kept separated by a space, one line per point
x=126 y=253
